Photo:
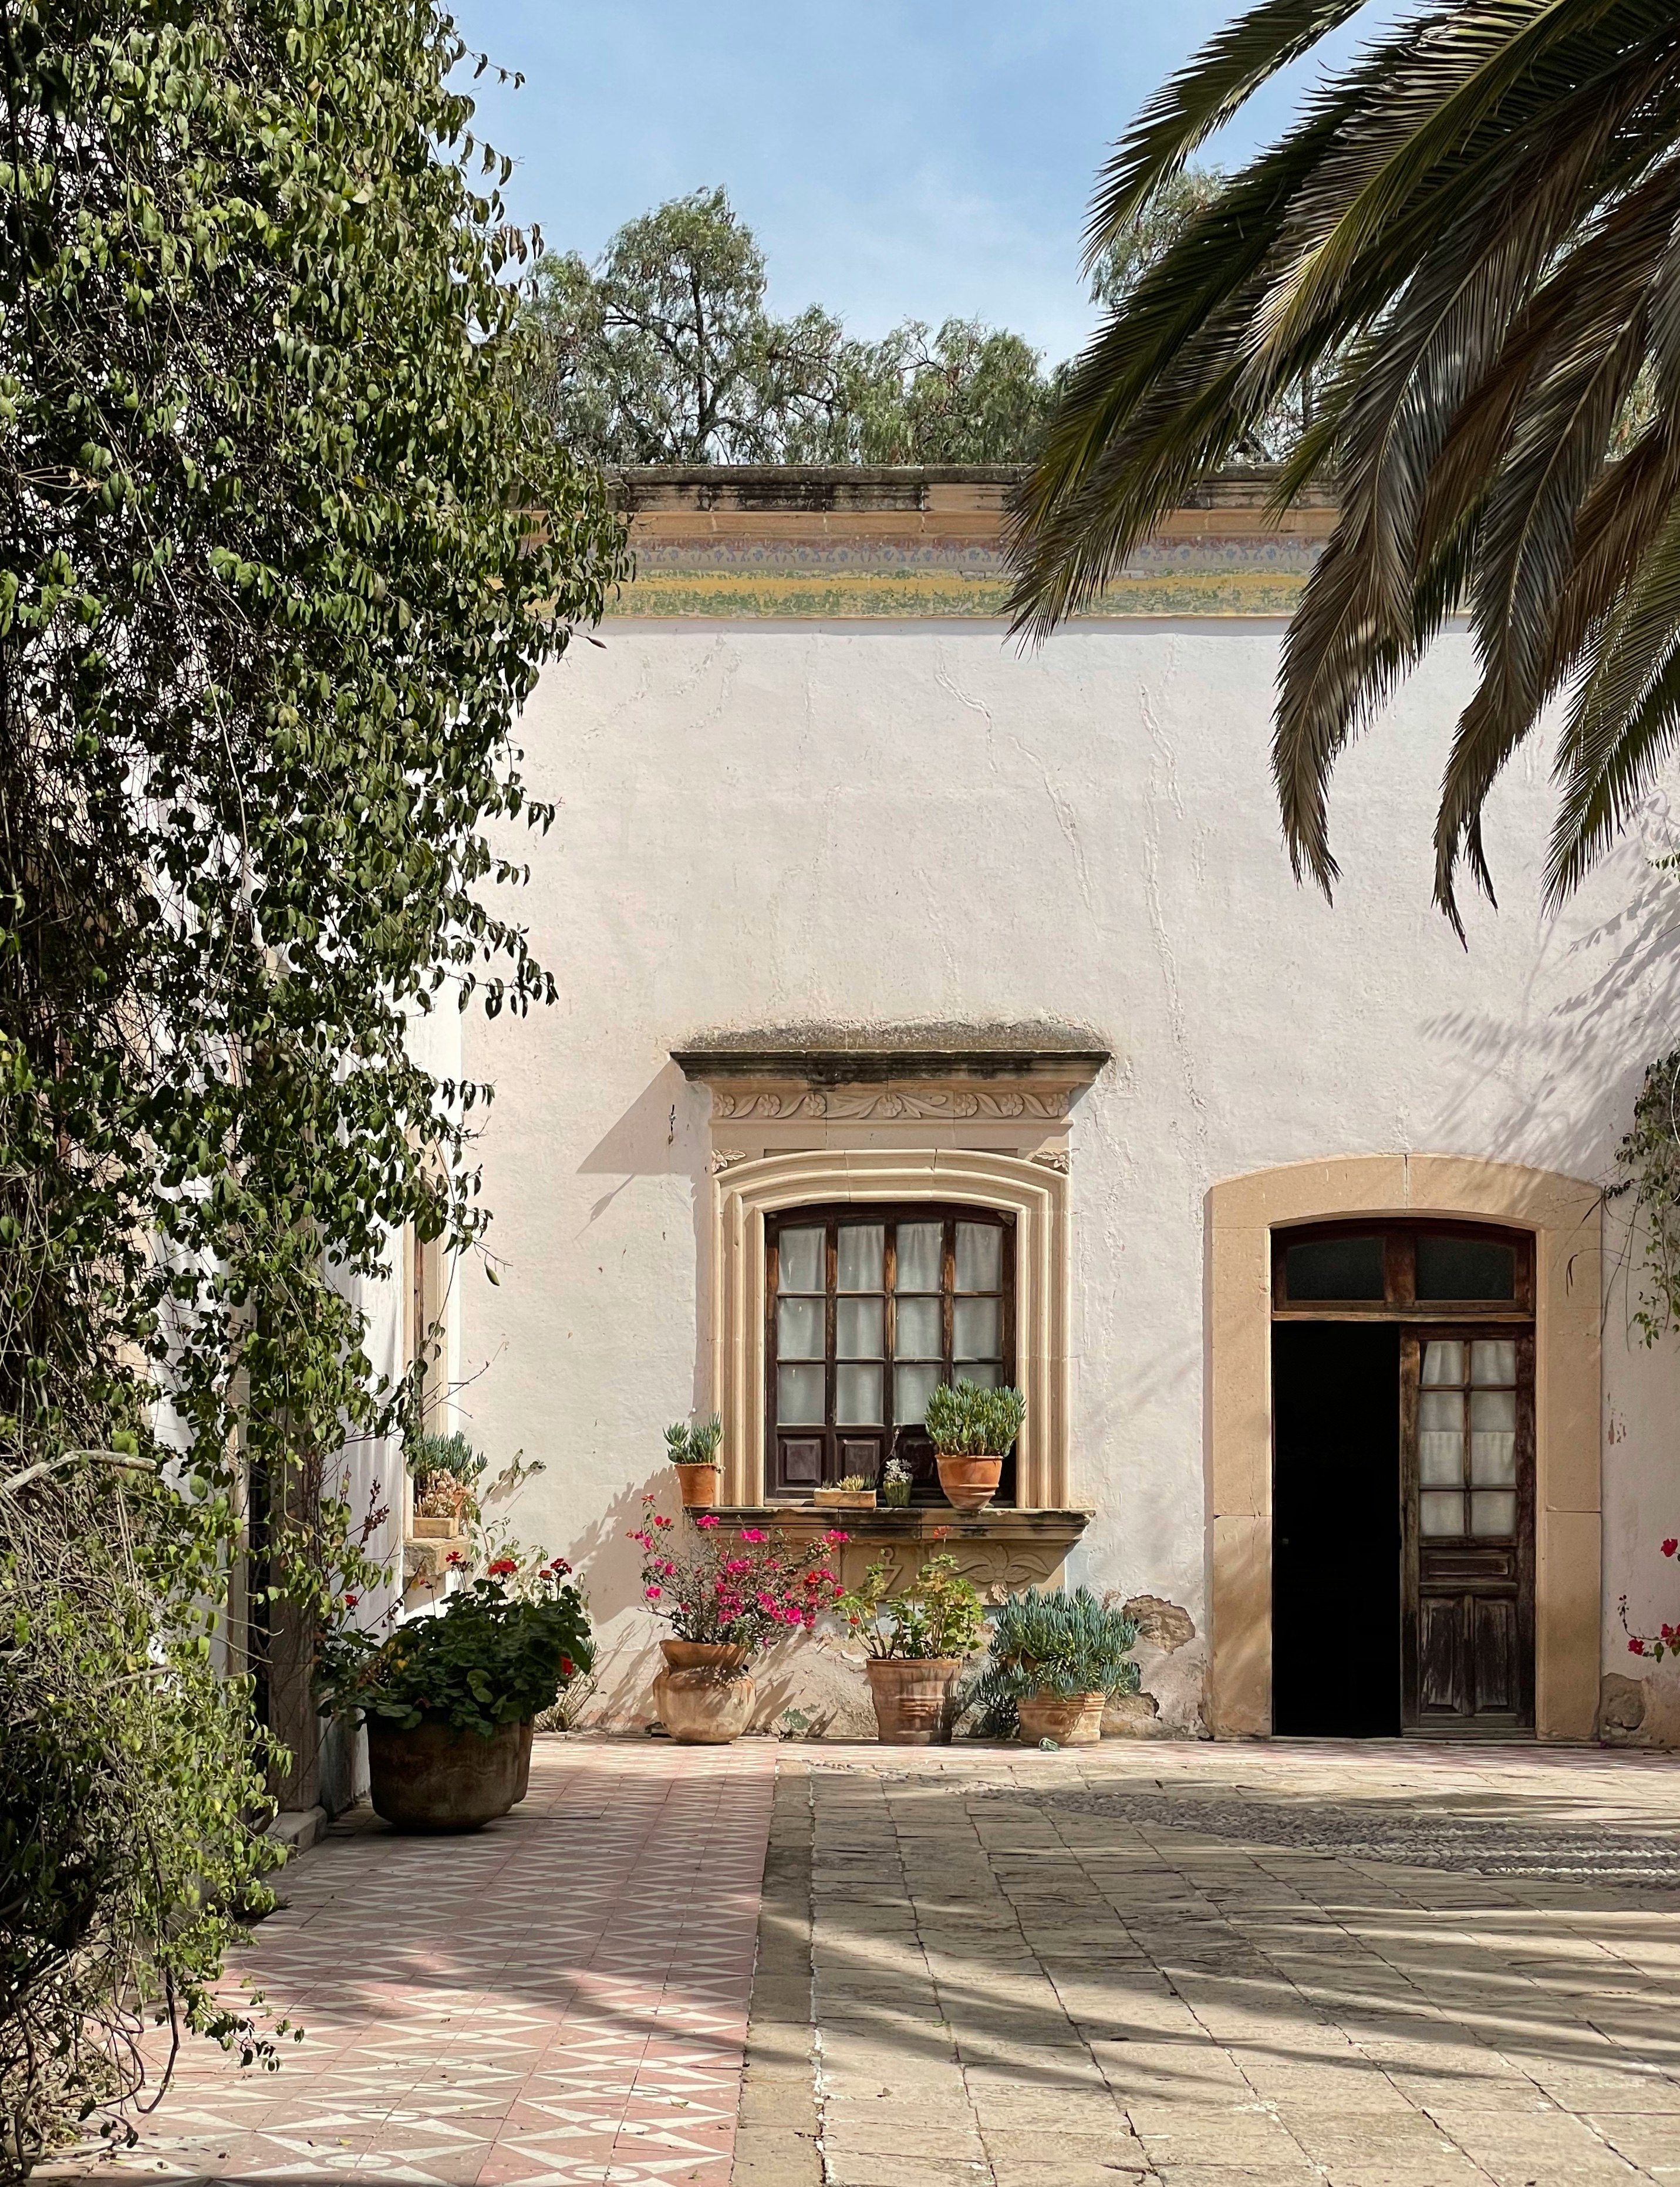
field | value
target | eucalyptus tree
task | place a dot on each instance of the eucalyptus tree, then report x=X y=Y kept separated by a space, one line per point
x=281 y=553
x=1470 y=239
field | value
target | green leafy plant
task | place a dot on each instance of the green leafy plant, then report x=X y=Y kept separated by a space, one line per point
x=965 y=1421
x=940 y=1615
x=695 y=1443
x=854 y=1483
x=487 y=1658
x=1053 y=1643
x=744 y=1589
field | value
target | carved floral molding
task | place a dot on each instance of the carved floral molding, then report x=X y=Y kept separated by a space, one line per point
x=849 y=1104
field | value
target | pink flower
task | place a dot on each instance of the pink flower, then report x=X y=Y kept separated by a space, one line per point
x=835 y=1534
x=706 y=1519
x=752 y=1533
x=653 y=1593
x=1636 y=1647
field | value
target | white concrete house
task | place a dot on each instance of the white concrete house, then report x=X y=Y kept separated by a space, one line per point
x=932 y=1007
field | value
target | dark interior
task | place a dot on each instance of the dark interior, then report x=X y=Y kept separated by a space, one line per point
x=1335 y=1530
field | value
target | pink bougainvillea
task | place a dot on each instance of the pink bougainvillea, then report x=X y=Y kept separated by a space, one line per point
x=745 y=1589
x=1666 y=1640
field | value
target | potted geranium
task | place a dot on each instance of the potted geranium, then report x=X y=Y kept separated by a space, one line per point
x=1056 y=1658
x=727 y=1595
x=450 y=1699
x=916 y=1641
x=973 y=1431
x=693 y=1454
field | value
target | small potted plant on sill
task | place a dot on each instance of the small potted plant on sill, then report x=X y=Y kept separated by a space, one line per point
x=1056 y=1658
x=450 y=1700
x=447 y=1472
x=897 y=1484
x=727 y=1595
x=916 y=1641
x=693 y=1453
x=854 y=1494
x=973 y=1431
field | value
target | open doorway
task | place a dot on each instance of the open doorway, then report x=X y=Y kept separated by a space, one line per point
x=1336 y=1534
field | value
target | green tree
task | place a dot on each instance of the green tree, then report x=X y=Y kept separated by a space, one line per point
x=970 y=394
x=1469 y=229
x=283 y=555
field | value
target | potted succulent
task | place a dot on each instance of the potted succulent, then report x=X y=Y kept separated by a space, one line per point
x=693 y=1453
x=854 y=1494
x=1056 y=1658
x=897 y=1484
x=972 y=1432
x=915 y=1643
x=446 y=1471
x=450 y=1700
x=727 y=1595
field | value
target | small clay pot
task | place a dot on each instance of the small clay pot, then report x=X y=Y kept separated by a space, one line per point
x=703 y=1696
x=435 y=1778
x=969 y=1483
x=700 y=1486
x=913 y=1699
x=1071 y=1720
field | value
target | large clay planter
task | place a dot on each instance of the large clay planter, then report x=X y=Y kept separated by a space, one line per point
x=436 y=1778
x=703 y=1696
x=914 y=1700
x=969 y=1483
x=1071 y=1720
x=699 y=1486
x=527 y=1732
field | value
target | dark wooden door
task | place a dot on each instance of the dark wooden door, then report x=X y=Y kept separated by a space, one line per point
x=1468 y=1509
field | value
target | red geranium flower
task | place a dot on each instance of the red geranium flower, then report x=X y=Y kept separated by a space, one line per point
x=351 y=1601
x=1671 y=1545
x=502 y=1567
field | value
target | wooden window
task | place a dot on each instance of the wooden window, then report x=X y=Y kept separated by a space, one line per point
x=866 y=1310
x=1428 y=1271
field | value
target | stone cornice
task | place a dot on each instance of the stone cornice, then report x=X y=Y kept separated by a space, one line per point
x=996 y=1072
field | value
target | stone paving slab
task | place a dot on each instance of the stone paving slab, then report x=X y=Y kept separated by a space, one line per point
x=1219 y=1967
x=559 y=1998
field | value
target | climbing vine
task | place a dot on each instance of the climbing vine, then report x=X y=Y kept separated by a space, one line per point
x=283 y=556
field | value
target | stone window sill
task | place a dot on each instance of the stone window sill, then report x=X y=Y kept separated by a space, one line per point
x=920 y=1522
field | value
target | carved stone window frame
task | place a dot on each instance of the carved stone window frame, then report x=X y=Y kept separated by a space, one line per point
x=984 y=1127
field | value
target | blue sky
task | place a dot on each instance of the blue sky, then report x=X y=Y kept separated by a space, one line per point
x=896 y=157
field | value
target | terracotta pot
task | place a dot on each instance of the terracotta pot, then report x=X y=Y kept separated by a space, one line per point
x=844 y=1499
x=700 y=1485
x=429 y=1529
x=1071 y=1720
x=969 y=1483
x=435 y=1778
x=703 y=1696
x=914 y=1700
x=527 y=1732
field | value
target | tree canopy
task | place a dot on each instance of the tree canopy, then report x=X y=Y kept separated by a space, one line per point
x=666 y=351
x=275 y=585
x=1466 y=241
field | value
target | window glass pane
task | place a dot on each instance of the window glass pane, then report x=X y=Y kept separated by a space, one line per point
x=801 y=1260
x=1493 y=1438
x=978 y=1329
x=1439 y=1514
x=799 y=1397
x=798 y=1329
x=1493 y=1359
x=1443 y=1362
x=857 y=1327
x=912 y=1387
x=921 y=1252
x=1334 y=1268
x=984 y=1374
x=1465 y=1268
x=920 y=1329
x=858 y=1396
x=1493 y=1511
x=862 y=1256
x=980 y=1256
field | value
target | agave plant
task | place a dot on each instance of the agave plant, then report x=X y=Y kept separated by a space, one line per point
x=695 y=1444
x=1056 y=1644
x=1468 y=245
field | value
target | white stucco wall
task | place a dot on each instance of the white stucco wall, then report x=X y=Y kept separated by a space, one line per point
x=762 y=823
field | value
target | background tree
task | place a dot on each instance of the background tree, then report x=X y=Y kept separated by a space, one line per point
x=274 y=584
x=665 y=351
x=1470 y=231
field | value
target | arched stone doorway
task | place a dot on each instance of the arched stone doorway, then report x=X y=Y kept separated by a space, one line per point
x=1248 y=1217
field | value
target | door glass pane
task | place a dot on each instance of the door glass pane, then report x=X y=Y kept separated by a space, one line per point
x=979 y=1331
x=912 y=1387
x=801 y=1258
x=862 y=1256
x=1334 y=1268
x=798 y=1329
x=857 y=1327
x=980 y=1256
x=1439 y=1514
x=1493 y=1359
x=1443 y=1362
x=1465 y=1268
x=921 y=1252
x=1493 y=1511
x=799 y=1397
x=1440 y=1459
x=858 y=1396
x=1493 y=1438
x=919 y=1330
